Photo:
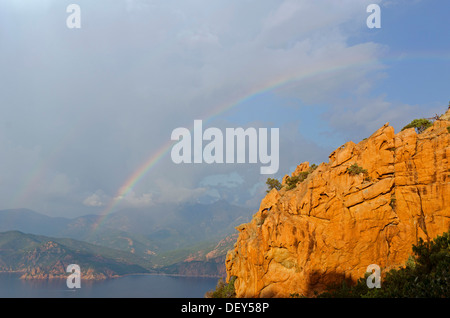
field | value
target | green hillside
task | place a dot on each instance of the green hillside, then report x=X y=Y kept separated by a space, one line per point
x=152 y=238
x=46 y=257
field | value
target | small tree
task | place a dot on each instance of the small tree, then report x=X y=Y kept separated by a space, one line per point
x=273 y=184
x=291 y=182
x=419 y=124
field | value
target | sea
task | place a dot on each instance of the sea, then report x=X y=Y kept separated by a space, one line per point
x=132 y=286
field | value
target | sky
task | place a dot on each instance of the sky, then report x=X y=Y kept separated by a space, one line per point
x=86 y=114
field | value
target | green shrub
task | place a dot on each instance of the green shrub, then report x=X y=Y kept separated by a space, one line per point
x=296 y=295
x=291 y=182
x=223 y=289
x=355 y=170
x=448 y=128
x=393 y=202
x=273 y=184
x=425 y=275
x=419 y=124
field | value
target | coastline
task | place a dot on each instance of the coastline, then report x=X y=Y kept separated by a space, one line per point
x=103 y=277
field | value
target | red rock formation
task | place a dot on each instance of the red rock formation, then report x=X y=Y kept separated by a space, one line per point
x=334 y=224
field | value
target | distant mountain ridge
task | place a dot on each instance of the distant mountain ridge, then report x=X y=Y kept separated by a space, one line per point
x=162 y=235
x=29 y=221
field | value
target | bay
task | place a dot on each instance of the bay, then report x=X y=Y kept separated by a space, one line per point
x=132 y=286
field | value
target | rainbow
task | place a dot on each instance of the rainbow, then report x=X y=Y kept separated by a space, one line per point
x=132 y=181
x=281 y=81
x=42 y=166
x=142 y=170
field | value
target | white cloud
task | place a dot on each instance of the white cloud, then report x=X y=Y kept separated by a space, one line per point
x=175 y=192
x=133 y=200
x=93 y=200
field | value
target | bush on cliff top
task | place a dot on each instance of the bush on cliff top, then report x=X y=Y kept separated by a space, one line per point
x=291 y=182
x=273 y=184
x=419 y=124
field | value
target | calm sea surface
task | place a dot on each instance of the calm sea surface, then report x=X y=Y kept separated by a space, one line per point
x=134 y=286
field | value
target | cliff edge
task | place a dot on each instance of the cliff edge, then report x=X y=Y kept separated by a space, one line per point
x=368 y=205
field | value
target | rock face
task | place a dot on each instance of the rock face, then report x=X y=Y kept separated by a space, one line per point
x=335 y=223
x=41 y=263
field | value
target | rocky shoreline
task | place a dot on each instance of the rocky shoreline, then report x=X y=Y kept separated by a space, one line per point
x=98 y=277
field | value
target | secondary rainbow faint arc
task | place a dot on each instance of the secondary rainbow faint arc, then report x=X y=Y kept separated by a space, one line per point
x=155 y=158
x=43 y=165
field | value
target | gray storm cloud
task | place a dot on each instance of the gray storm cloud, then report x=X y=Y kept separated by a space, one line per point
x=83 y=109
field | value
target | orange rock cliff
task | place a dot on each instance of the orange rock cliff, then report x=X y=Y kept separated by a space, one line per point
x=335 y=223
